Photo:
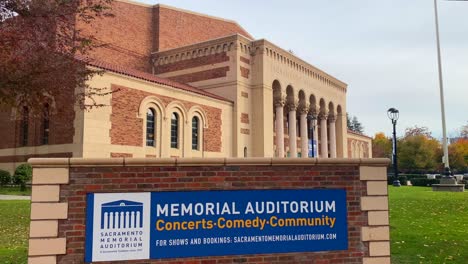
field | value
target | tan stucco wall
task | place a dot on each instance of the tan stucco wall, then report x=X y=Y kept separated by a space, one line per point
x=254 y=95
x=97 y=141
x=360 y=145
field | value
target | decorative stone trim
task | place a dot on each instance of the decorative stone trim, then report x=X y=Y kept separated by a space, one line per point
x=42 y=260
x=49 y=211
x=50 y=175
x=81 y=162
x=46 y=210
x=45 y=193
x=47 y=246
x=381 y=233
x=377 y=218
x=379 y=248
x=377 y=233
x=48 y=228
x=369 y=203
x=377 y=188
x=378 y=260
x=373 y=173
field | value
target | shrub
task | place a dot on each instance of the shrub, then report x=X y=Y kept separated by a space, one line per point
x=403 y=180
x=424 y=182
x=22 y=175
x=5 y=178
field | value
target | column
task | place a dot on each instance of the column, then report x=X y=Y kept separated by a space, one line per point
x=332 y=119
x=292 y=129
x=323 y=135
x=279 y=128
x=304 y=135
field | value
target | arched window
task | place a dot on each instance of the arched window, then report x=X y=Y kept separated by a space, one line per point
x=195 y=133
x=175 y=130
x=150 y=124
x=45 y=125
x=24 y=127
x=245 y=152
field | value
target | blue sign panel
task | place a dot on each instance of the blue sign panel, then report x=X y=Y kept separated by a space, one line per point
x=212 y=223
x=312 y=146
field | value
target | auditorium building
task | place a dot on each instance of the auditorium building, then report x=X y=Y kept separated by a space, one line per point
x=189 y=85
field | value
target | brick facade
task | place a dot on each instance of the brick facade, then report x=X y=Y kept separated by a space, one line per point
x=201 y=75
x=129 y=41
x=137 y=30
x=192 y=63
x=244 y=60
x=367 y=202
x=61 y=128
x=178 y=28
x=244 y=72
x=127 y=127
x=245 y=118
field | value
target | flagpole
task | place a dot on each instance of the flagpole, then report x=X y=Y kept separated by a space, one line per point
x=441 y=86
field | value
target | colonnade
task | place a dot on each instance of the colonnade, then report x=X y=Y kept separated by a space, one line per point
x=308 y=116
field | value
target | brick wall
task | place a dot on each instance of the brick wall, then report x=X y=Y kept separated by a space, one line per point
x=60 y=187
x=201 y=75
x=136 y=30
x=178 y=28
x=128 y=36
x=192 y=63
x=127 y=128
x=61 y=128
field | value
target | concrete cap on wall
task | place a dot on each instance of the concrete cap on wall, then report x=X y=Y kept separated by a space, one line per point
x=86 y=162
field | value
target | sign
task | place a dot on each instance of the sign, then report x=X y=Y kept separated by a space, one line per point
x=312 y=145
x=127 y=226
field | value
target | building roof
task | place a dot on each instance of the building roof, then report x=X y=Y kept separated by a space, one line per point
x=147 y=77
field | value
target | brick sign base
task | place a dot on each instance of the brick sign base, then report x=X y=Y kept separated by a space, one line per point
x=58 y=202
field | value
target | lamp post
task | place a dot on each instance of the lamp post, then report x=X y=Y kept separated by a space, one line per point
x=393 y=114
x=311 y=131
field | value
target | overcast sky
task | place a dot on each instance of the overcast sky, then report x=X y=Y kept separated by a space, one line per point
x=384 y=50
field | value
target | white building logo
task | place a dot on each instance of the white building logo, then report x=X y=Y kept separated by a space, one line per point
x=121 y=214
x=121 y=226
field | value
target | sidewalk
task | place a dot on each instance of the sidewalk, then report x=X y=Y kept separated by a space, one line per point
x=14 y=197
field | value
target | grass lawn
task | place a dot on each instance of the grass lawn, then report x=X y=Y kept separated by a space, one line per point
x=14 y=231
x=15 y=190
x=428 y=227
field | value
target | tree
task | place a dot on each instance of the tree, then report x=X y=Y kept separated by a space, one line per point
x=458 y=155
x=354 y=124
x=348 y=122
x=357 y=126
x=381 y=146
x=40 y=42
x=464 y=131
x=418 y=151
x=415 y=131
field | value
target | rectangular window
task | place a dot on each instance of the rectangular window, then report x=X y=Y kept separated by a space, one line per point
x=24 y=127
x=195 y=133
x=150 y=125
x=45 y=126
x=175 y=131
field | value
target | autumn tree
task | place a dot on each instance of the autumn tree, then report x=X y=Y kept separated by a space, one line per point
x=458 y=155
x=464 y=131
x=381 y=146
x=418 y=150
x=39 y=46
x=416 y=131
